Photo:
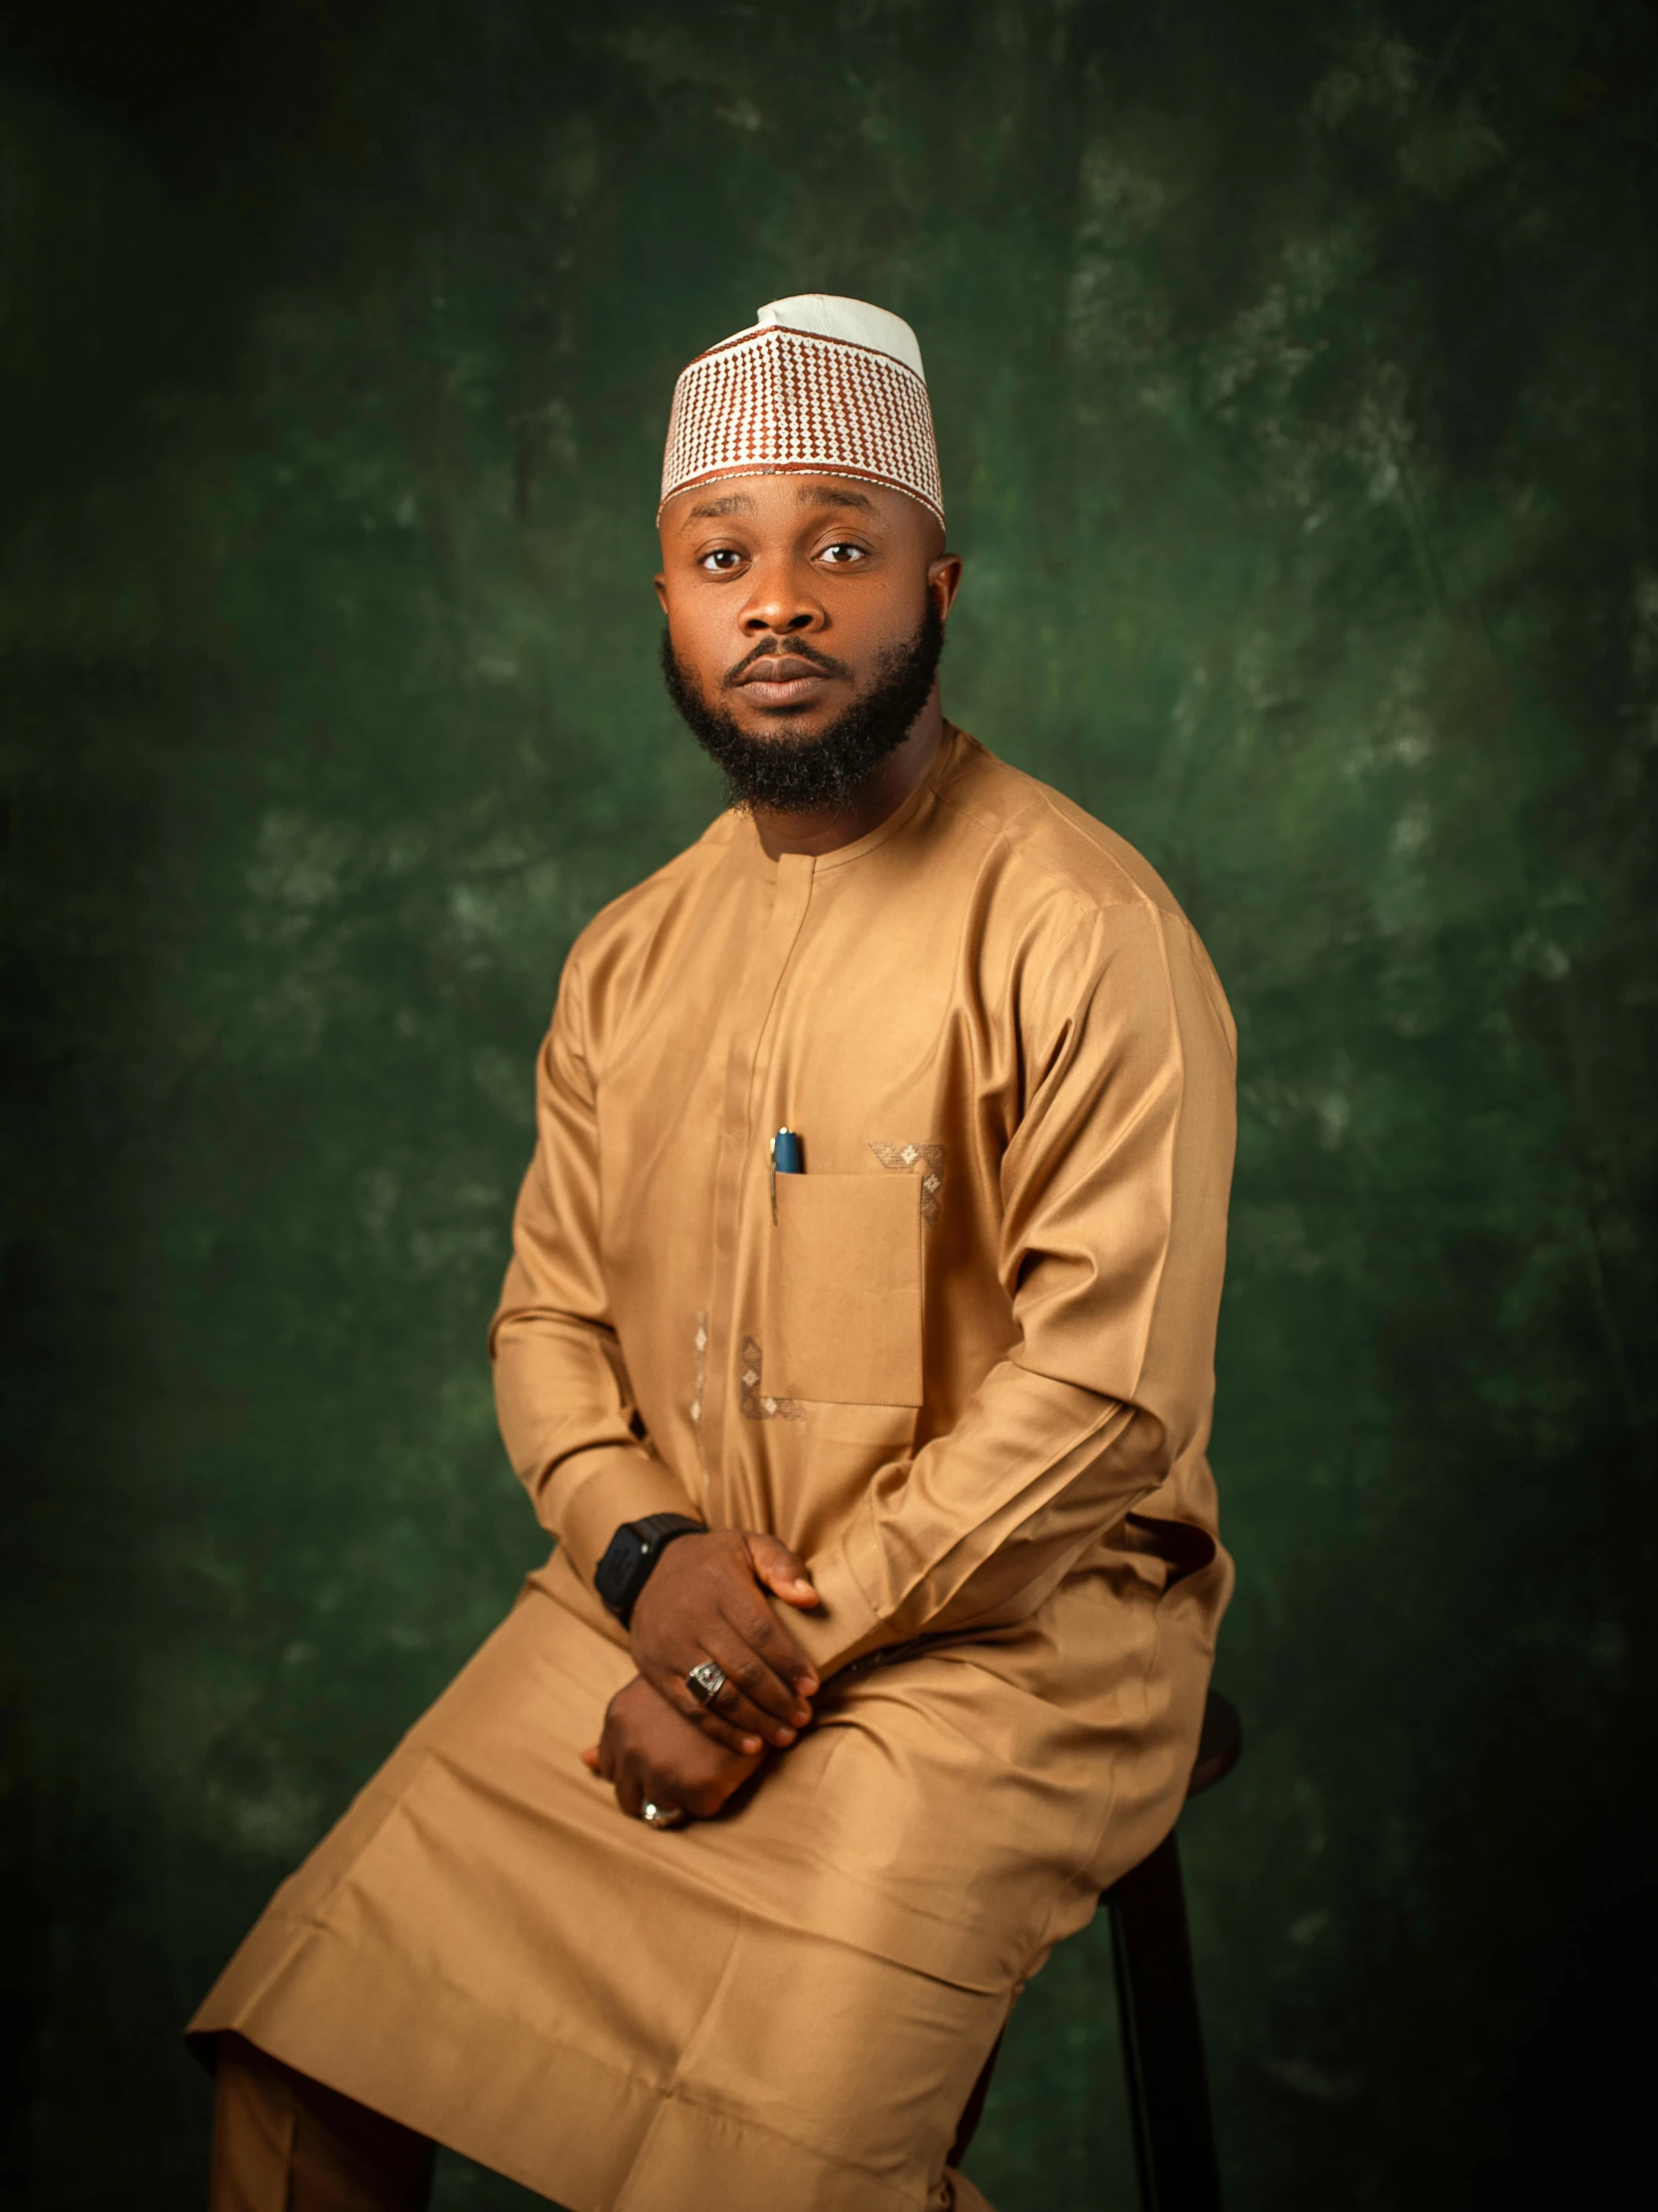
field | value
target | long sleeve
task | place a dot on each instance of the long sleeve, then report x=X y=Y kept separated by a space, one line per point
x=562 y=1390
x=1115 y=1188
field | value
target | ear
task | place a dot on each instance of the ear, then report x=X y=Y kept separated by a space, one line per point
x=660 y=583
x=943 y=581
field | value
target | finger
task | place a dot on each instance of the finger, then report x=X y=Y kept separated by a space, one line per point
x=590 y=1760
x=755 y=1696
x=734 y=1720
x=752 y=1697
x=760 y=1629
x=782 y=1572
x=735 y=1736
x=731 y=1720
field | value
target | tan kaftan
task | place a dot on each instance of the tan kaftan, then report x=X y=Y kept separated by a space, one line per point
x=973 y=1338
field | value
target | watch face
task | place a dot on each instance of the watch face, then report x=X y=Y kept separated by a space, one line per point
x=618 y=1570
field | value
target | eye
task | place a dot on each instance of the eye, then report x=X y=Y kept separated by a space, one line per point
x=722 y=561
x=841 y=555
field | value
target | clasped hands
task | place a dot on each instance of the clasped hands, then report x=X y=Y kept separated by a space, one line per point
x=707 y=1600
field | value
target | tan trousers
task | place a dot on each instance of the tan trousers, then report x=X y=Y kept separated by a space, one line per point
x=284 y=2143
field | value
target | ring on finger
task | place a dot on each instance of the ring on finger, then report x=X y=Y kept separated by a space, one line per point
x=661 y=1816
x=706 y=1684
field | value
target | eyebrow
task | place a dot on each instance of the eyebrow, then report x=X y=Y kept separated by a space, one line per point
x=831 y=495
x=734 y=503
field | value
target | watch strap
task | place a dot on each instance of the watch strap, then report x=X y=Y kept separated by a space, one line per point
x=659 y=1529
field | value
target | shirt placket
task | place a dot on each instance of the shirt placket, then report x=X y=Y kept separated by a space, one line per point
x=741 y=1144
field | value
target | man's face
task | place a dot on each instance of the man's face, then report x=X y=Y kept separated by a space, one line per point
x=804 y=619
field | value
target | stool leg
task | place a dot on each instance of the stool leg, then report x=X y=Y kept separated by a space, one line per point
x=1163 y=2038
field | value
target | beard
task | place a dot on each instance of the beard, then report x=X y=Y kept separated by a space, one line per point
x=797 y=775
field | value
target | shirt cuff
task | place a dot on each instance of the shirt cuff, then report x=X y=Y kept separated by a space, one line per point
x=592 y=1492
x=843 y=1625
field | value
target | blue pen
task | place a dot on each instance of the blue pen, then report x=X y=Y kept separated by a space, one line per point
x=787 y=1158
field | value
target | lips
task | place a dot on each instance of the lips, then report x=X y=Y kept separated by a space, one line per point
x=782 y=669
x=782 y=681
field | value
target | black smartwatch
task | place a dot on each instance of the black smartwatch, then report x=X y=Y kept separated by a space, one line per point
x=631 y=1558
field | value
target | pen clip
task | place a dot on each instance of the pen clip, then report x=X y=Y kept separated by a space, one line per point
x=772 y=1151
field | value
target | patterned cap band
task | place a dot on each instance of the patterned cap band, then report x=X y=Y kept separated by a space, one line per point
x=819 y=386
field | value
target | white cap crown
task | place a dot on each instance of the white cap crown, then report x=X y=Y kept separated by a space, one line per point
x=855 y=321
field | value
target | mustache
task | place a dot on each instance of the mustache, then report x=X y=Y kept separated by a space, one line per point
x=782 y=649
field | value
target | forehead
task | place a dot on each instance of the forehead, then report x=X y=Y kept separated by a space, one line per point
x=781 y=501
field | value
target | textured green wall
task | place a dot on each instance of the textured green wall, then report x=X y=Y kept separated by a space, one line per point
x=1293 y=370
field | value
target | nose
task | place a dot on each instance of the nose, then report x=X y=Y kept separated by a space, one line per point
x=781 y=601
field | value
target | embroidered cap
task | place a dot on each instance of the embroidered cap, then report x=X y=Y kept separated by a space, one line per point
x=819 y=386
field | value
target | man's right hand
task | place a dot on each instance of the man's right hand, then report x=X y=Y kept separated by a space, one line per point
x=706 y=1600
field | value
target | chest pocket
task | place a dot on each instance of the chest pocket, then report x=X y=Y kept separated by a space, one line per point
x=844 y=1294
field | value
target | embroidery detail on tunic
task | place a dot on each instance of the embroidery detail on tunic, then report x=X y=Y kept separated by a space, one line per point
x=904 y=1158
x=751 y=1403
x=700 y=1384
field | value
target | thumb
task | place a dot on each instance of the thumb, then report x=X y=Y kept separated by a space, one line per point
x=777 y=1569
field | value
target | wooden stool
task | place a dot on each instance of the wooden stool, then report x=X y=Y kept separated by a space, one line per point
x=1162 y=2037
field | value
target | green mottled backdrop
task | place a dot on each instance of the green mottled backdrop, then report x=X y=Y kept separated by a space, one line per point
x=1293 y=370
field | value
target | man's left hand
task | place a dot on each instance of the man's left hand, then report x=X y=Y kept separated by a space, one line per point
x=708 y=1598
x=654 y=1755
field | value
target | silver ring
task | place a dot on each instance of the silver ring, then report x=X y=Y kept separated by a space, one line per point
x=661 y=1816
x=706 y=1682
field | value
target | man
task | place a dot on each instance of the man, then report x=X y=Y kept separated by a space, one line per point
x=857 y=1350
